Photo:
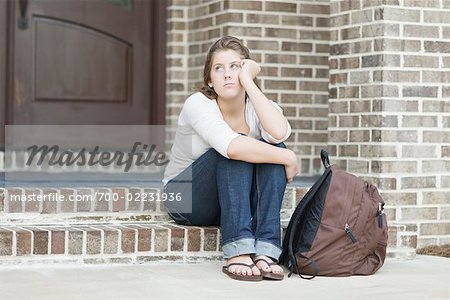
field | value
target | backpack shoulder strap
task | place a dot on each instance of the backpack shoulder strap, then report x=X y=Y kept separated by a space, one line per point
x=324 y=158
x=288 y=256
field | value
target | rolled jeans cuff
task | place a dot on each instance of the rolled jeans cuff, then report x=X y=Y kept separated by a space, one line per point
x=238 y=247
x=267 y=249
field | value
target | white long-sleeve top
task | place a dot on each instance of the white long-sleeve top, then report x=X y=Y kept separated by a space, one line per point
x=201 y=127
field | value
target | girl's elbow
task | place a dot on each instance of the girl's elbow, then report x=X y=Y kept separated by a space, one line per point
x=232 y=151
x=279 y=135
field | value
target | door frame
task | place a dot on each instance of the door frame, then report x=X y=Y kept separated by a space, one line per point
x=158 y=67
x=157 y=70
x=3 y=68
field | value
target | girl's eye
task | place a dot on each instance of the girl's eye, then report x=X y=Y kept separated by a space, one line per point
x=234 y=66
x=218 y=68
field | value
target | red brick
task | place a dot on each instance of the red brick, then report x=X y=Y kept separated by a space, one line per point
x=67 y=205
x=30 y=205
x=144 y=239
x=118 y=205
x=14 y=206
x=102 y=200
x=210 y=239
x=128 y=240
x=84 y=200
x=435 y=228
x=244 y=5
x=111 y=241
x=392 y=236
x=58 y=242
x=23 y=243
x=6 y=238
x=161 y=239
x=150 y=206
x=287 y=7
x=94 y=242
x=134 y=203
x=177 y=239
x=408 y=241
x=194 y=239
x=40 y=242
x=49 y=205
x=75 y=242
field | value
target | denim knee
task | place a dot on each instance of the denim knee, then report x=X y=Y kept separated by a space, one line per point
x=238 y=166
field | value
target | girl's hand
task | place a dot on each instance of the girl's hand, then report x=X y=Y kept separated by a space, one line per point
x=249 y=70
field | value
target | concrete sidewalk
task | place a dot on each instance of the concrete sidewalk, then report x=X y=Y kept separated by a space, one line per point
x=425 y=277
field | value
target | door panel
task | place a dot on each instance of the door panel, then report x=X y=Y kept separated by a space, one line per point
x=86 y=62
x=98 y=71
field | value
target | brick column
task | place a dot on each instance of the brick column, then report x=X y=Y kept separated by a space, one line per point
x=389 y=111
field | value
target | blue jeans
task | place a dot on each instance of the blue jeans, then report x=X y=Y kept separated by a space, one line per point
x=243 y=198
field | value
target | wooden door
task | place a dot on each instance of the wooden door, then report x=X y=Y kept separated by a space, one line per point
x=86 y=62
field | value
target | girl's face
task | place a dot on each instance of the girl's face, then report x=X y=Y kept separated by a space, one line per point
x=226 y=66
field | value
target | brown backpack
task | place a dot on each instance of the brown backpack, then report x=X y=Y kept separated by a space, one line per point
x=337 y=229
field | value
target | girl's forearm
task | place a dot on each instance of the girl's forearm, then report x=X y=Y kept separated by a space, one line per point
x=271 y=119
x=254 y=151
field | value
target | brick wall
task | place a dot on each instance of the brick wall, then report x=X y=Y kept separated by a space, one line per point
x=389 y=113
x=288 y=38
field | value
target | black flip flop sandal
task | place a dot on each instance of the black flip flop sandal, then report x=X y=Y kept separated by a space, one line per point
x=239 y=276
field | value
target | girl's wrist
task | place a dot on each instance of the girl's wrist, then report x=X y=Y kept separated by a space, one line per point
x=290 y=157
x=246 y=80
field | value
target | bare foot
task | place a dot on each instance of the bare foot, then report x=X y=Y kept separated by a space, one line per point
x=262 y=265
x=243 y=270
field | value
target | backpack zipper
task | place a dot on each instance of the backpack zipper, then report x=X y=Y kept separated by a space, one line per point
x=380 y=214
x=349 y=233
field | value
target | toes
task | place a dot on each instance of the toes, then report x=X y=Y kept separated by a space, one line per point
x=232 y=269
x=256 y=271
x=238 y=271
x=277 y=269
x=262 y=265
x=244 y=270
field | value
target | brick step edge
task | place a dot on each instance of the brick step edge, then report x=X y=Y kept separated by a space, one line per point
x=108 y=243
x=143 y=242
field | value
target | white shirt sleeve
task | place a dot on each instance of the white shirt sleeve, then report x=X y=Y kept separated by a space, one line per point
x=208 y=123
x=267 y=137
